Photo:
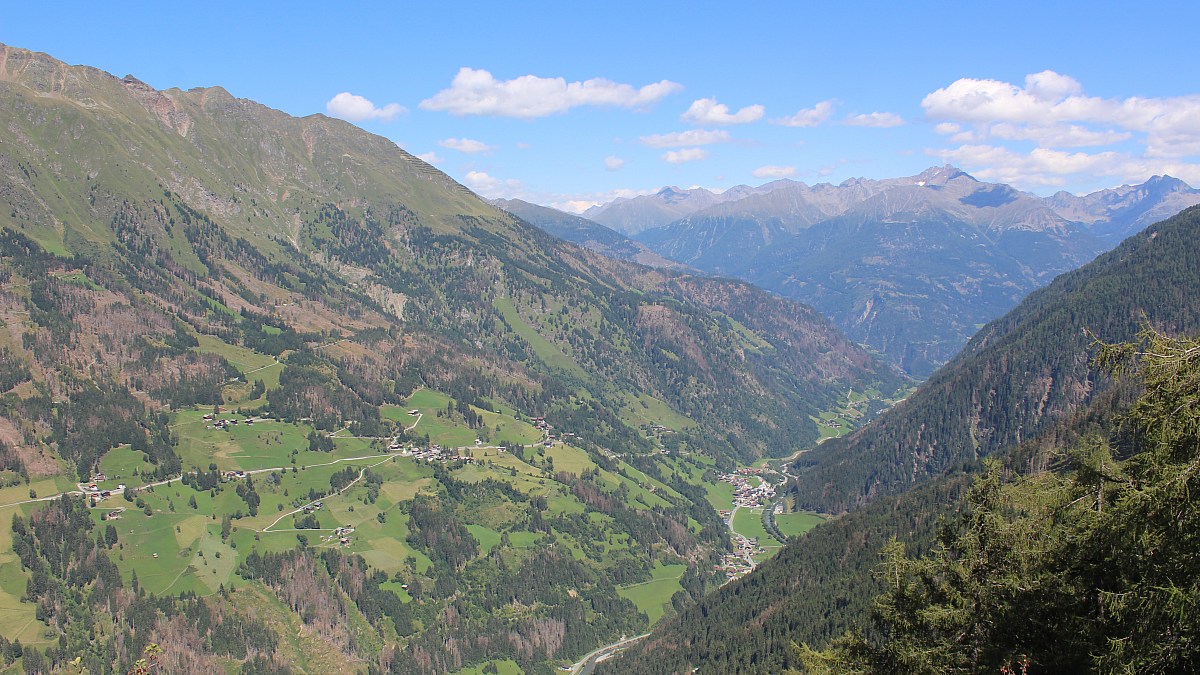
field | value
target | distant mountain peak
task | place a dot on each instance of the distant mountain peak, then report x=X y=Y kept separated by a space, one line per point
x=940 y=175
x=672 y=194
x=1166 y=183
x=131 y=81
x=1116 y=213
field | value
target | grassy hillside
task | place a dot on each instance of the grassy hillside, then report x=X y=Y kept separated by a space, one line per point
x=321 y=228
x=174 y=262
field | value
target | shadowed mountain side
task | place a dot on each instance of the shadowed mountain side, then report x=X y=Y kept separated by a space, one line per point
x=1019 y=374
x=1023 y=391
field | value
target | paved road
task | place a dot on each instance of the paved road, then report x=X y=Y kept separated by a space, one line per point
x=587 y=664
x=362 y=472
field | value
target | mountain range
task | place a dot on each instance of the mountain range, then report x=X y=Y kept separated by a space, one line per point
x=277 y=396
x=1024 y=390
x=910 y=267
x=317 y=202
x=360 y=418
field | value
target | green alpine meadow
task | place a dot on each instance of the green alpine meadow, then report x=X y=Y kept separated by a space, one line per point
x=281 y=397
x=603 y=339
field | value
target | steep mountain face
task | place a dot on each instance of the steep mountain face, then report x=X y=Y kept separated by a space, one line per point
x=1117 y=213
x=405 y=241
x=910 y=267
x=587 y=233
x=1022 y=389
x=1020 y=374
x=166 y=255
x=919 y=282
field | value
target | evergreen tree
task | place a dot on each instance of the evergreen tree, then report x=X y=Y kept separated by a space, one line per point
x=1096 y=569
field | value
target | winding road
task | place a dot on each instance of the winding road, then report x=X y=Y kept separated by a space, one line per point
x=587 y=664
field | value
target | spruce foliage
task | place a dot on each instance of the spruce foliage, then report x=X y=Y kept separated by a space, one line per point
x=1095 y=569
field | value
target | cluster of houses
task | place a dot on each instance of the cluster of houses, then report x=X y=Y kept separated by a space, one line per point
x=223 y=423
x=95 y=493
x=745 y=493
x=436 y=453
x=741 y=561
x=613 y=455
x=856 y=410
x=313 y=507
x=341 y=534
x=548 y=429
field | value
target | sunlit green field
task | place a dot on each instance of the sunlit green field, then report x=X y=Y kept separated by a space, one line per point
x=17 y=619
x=794 y=524
x=748 y=522
x=505 y=667
x=653 y=596
x=194 y=540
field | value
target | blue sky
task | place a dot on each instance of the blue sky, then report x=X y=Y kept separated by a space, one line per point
x=573 y=103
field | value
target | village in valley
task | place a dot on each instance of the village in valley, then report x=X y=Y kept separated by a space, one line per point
x=252 y=481
x=754 y=492
x=754 y=489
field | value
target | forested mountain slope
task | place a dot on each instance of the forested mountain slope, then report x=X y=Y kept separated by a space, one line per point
x=1034 y=362
x=1019 y=374
x=326 y=228
x=1091 y=567
x=346 y=401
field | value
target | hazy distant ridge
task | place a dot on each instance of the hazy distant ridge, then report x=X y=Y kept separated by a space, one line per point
x=910 y=266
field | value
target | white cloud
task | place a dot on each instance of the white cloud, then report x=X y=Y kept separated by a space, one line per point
x=1050 y=86
x=680 y=139
x=1044 y=167
x=493 y=188
x=612 y=163
x=579 y=203
x=430 y=157
x=809 y=117
x=465 y=145
x=774 y=171
x=477 y=92
x=1049 y=99
x=1055 y=136
x=875 y=119
x=1052 y=111
x=988 y=101
x=685 y=155
x=1173 y=145
x=708 y=111
x=355 y=108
